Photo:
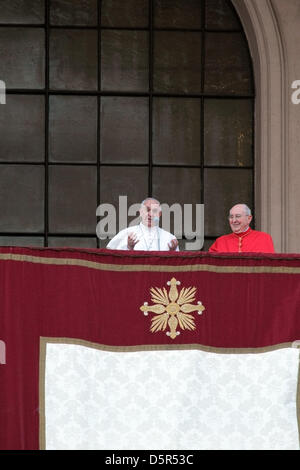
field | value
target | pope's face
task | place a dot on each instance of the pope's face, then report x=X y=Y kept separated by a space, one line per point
x=238 y=219
x=150 y=213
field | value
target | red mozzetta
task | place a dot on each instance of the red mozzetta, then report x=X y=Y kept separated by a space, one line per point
x=251 y=241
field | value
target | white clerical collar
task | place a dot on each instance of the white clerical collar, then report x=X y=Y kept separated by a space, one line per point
x=148 y=230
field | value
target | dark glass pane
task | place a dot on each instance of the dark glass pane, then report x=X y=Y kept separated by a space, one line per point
x=223 y=188
x=22 y=241
x=181 y=244
x=126 y=14
x=227 y=62
x=74 y=12
x=208 y=243
x=103 y=243
x=185 y=14
x=170 y=185
x=220 y=14
x=124 y=130
x=177 y=186
x=72 y=199
x=228 y=132
x=73 y=128
x=177 y=62
x=76 y=242
x=22 y=128
x=73 y=60
x=124 y=61
x=21 y=198
x=123 y=181
x=22 y=11
x=22 y=56
x=176 y=130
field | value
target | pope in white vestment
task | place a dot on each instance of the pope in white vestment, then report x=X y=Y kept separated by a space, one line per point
x=147 y=236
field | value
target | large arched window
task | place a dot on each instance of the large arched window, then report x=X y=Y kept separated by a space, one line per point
x=109 y=98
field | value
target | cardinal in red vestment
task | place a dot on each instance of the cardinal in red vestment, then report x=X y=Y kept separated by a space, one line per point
x=242 y=239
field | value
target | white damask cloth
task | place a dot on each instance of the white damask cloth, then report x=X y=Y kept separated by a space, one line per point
x=170 y=399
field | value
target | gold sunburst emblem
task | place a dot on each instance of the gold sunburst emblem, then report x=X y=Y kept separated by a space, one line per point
x=172 y=308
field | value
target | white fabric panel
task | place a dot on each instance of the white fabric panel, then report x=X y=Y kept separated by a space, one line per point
x=178 y=399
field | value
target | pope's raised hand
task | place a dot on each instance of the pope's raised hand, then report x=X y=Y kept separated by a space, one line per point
x=173 y=244
x=132 y=240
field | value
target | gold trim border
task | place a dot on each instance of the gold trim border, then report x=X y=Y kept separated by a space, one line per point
x=148 y=267
x=150 y=347
x=298 y=402
x=42 y=391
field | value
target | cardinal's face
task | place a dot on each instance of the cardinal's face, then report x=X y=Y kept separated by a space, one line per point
x=238 y=219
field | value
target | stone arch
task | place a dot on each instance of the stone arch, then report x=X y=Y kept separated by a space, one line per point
x=269 y=57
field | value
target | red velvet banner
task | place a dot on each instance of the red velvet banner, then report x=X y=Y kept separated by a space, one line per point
x=133 y=299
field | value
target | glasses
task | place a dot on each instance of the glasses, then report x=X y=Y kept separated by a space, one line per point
x=237 y=216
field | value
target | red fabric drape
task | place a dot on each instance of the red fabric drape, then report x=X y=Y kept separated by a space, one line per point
x=251 y=301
